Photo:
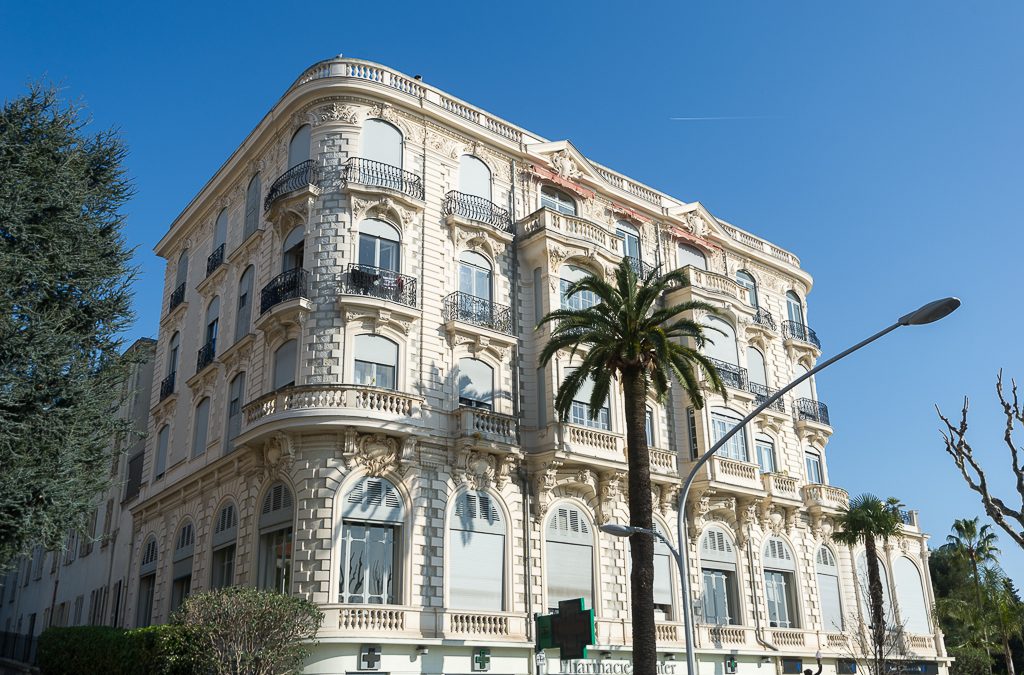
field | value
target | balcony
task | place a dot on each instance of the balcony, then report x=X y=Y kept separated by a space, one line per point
x=809 y=410
x=477 y=209
x=371 y=621
x=640 y=268
x=732 y=376
x=715 y=284
x=781 y=486
x=206 y=355
x=378 y=282
x=484 y=425
x=830 y=497
x=793 y=330
x=479 y=312
x=735 y=472
x=662 y=461
x=764 y=319
x=602 y=447
x=177 y=297
x=215 y=260
x=299 y=177
x=369 y=173
x=291 y=285
x=167 y=386
x=762 y=393
x=569 y=227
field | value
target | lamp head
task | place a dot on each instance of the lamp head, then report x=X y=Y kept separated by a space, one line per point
x=617 y=530
x=929 y=313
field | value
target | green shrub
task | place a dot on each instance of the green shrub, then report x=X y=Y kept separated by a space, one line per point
x=156 y=650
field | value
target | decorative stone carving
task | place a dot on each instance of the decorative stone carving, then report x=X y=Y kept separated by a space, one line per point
x=544 y=482
x=696 y=225
x=442 y=144
x=609 y=490
x=336 y=112
x=376 y=453
x=565 y=166
x=278 y=455
x=385 y=207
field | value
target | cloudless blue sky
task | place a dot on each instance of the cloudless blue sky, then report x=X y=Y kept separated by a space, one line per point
x=884 y=147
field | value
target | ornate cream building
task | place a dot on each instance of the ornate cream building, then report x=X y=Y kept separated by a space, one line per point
x=347 y=404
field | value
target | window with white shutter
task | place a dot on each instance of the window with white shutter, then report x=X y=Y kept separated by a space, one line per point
x=476 y=554
x=828 y=590
x=570 y=557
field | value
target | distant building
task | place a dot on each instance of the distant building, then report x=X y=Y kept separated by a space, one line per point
x=348 y=406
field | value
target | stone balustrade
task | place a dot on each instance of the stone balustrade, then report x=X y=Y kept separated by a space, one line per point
x=416 y=622
x=332 y=397
x=717 y=284
x=604 y=441
x=779 y=485
x=735 y=472
x=662 y=461
x=487 y=425
x=758 y=244
x=788 y=638
x=570 y=226
x=721 y=637
x=828 y=496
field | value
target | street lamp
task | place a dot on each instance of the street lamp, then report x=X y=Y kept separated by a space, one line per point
x=931 y=312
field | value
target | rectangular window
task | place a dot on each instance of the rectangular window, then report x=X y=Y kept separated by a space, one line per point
x=716 y=597
x=367 y=564
x=831 y=606
x=691 y=423
x=144 y=615
x=765 y=456
x=813 y=463
x=115 y=608
x=570 y=573
x=735 y=447
x=162 y=441
x=224 y=566
x=375 y=374
x=649 y=427
x=578 y=300
x=180 y=589
x=580 y=411
x=276 y=560
x=201 y=423
x=662 y=586
x=778 y=588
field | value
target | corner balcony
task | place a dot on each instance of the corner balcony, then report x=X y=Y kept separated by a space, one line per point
x=663 y=462
x=302 y=180
x=640 y=268
x=572 y=229
x=809 y=410
x=480 y=312
x=177 y=298
x=712 y=284
x=316 y=405
x=732 y=375
x=829 y=497
x=379 y=177
x=763 y=318
x=459 y=206
x=285 y=299
x=379 y=283
x=479 y=426
x=793 y=330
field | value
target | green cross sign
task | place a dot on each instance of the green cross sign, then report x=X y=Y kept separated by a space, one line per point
x=482 y=660
x=569 y=631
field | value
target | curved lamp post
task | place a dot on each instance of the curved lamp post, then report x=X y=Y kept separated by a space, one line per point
x=929 y=313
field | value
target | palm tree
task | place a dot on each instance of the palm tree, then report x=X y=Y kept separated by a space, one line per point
x=1006 y=610
x=628 y=336
x=866 y=520
x=976 y=547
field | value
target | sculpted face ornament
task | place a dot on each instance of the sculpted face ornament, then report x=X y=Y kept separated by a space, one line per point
x=564 y=165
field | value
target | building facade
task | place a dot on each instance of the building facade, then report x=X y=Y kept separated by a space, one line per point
x=348 y=404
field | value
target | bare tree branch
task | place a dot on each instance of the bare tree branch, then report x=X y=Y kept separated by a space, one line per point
x=957 y=447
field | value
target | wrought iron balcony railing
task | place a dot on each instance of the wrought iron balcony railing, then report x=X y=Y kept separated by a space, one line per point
x=761 y=394
x=215 y=260
x=732 y=375
x=814 y=411
x=167 y=386
x=206 y=354
x=287 y=286
x=641 y=268
x=798 y=331
x=378 y=282
x=177 y=297
x=477 y=208
x=764 y=318
x=377 y=174
x=478 y=311
x=295 y=178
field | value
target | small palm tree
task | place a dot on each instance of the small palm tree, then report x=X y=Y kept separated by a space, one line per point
x=1006 y=610
x=975 y=546
x=629 y=337
x=867 y=520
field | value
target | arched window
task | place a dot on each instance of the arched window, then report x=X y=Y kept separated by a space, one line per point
x=225 y=536
x=285 y=364
x=570 y=557
x=181 y=272
x=476 y=384
x=649 y=426
x=570 y=274
x=252 y=207
x=372 y=517
x=722 y=421
x=780 y=584
x=828 y=590
x=794 y=308
x=236 y=399
x=275 y=550
x=812 y=462
x=376 y=361
x=557 y=200
x=244 y=316
x=909 y=593
x=293 y=248
x=765 y=447
x=172 y=354
x=580 y=412
x=220 y=230
x=212 y=324
x=200 y=427
x=163 y=438
x=692 y=256
x=147 y=583
x=722 y=346
x=382 y=142
x=630 y=242
x=718 y=568
x=298 y=148
x=474 y=177
x=476 y=554
x=380 y=245
x=803 y=390
x=746 y=280
x=475 y=276
x=864 y=593
x=181 y=570
x=756 y=370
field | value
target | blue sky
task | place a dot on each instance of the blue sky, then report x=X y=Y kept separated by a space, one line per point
x=882 y=145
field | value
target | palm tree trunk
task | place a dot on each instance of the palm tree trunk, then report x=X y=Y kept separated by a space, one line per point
x=1008 y=655
x=981 y=608
x=641 y=546
x=877 y=600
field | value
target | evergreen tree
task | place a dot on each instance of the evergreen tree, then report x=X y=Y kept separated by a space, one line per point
x=64 y=299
